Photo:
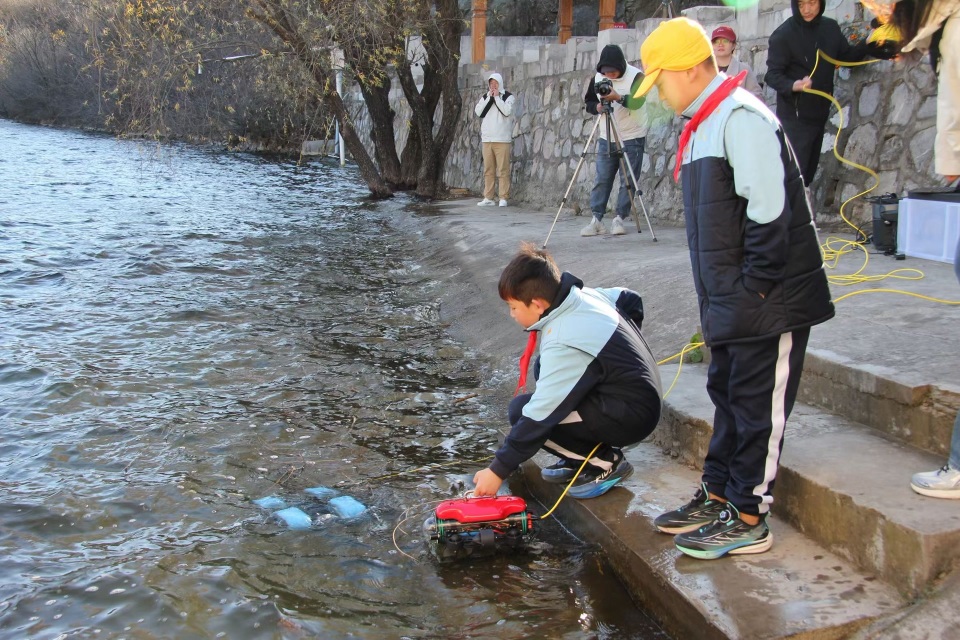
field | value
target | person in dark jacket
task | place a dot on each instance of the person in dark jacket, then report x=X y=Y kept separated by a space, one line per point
x=790 y=60
x=597 y=381
x=760 y=280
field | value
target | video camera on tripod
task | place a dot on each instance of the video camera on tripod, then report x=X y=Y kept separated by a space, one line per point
x=604 y=87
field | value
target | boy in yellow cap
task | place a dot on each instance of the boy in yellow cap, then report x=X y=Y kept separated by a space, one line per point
x=759 y=276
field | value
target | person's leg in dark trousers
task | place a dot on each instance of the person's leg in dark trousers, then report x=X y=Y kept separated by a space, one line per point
x=754 y=386
x=806 y=139
x=577 y=436
x=607 y=167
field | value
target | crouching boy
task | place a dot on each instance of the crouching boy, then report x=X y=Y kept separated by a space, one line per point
x=597 y=382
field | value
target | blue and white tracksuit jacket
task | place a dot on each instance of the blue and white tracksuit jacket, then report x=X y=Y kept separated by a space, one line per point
x=588 y=347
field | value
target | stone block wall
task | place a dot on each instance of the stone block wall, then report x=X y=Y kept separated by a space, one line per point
x=888 y=121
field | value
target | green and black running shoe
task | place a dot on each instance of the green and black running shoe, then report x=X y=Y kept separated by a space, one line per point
x=693 y=515
x=727 y=534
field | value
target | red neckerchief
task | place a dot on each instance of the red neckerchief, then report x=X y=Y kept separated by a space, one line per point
x=525 y=362
x=708 y=107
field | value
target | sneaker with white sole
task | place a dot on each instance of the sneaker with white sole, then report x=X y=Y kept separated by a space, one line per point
x=594 y=482
x=616 y=227
x=942 y=483
x=503 y=202
x=486 y=202
x=727 y=534
x=594 y=228
x=700 y=511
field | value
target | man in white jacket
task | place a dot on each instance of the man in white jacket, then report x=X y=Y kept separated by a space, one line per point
x=495 y=108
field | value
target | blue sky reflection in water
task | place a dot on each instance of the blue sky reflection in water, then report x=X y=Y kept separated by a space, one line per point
x=184 y=331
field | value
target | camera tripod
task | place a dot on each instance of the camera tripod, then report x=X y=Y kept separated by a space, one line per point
x=614 y=149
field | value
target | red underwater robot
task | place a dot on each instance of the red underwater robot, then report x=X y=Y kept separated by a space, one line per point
x=468 y=527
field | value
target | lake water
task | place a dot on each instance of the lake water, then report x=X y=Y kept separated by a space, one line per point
x=183 y=331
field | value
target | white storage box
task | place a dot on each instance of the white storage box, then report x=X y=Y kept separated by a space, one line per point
x=928 y=229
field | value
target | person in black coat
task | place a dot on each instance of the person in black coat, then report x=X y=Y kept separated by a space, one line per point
x=790 y=60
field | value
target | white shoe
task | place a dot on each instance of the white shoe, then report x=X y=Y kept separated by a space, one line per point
x=616 y=227
x=942 y=483
x=594 y=228
x=503 y=202
x=486 y=202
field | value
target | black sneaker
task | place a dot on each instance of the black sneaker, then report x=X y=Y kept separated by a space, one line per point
x=595 y=482
x=561 y=471
x=693 y=515
x=727 y=534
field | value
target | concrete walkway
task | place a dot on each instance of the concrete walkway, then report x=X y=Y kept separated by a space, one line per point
x=856 y=553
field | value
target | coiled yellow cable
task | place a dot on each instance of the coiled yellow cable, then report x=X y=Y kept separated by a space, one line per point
x=834 y=248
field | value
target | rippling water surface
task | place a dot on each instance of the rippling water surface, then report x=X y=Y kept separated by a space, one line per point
x=183 y=331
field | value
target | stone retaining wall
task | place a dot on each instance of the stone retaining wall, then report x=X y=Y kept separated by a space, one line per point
x=888 y=120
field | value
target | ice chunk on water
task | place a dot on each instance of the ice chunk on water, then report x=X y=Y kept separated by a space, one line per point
x=321 y=492
x=347 y=507
x=270 y=502
x=294 y=518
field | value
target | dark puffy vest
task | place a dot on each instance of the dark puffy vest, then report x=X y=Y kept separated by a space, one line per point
x=716 y=226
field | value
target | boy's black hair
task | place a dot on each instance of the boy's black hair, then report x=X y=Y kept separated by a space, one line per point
x=531 y=274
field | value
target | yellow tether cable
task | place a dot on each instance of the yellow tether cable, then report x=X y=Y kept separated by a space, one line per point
x=834 y=248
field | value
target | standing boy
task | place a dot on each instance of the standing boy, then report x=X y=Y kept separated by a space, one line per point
x=495 y=108
x=759 y=277
x=597 y=382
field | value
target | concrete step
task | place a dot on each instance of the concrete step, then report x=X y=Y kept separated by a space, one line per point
x=905 y=406
x=843 y=484
x=796 y=590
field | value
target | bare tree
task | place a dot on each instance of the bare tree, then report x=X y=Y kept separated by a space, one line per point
x=154 y=51
x=375 y=36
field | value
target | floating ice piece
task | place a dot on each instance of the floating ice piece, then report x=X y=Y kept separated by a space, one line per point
x=347 y=507
x=294 y=518
x=321 y=492
x=270 y=502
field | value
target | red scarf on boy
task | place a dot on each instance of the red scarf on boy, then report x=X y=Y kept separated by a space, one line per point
x=709 y=106
x=525 y=363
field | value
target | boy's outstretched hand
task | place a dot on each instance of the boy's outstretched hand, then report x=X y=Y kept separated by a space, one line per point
x=487 y=483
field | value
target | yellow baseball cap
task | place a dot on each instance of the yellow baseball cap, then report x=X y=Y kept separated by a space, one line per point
x=675 y=45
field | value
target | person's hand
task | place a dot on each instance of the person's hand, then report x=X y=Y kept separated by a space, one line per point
x=487 y=483
x=803 y=83
x=613 y=96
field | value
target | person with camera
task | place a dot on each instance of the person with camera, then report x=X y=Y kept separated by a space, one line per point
x=495 y=108
x=610 y=94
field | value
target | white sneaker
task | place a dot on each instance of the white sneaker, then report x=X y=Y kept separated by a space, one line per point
x=503 y=202
x=942 y=483
x=594 y=228
x=616 y=227
x=486 y=202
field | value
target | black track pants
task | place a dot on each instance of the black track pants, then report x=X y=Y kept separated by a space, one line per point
x=753 y=387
